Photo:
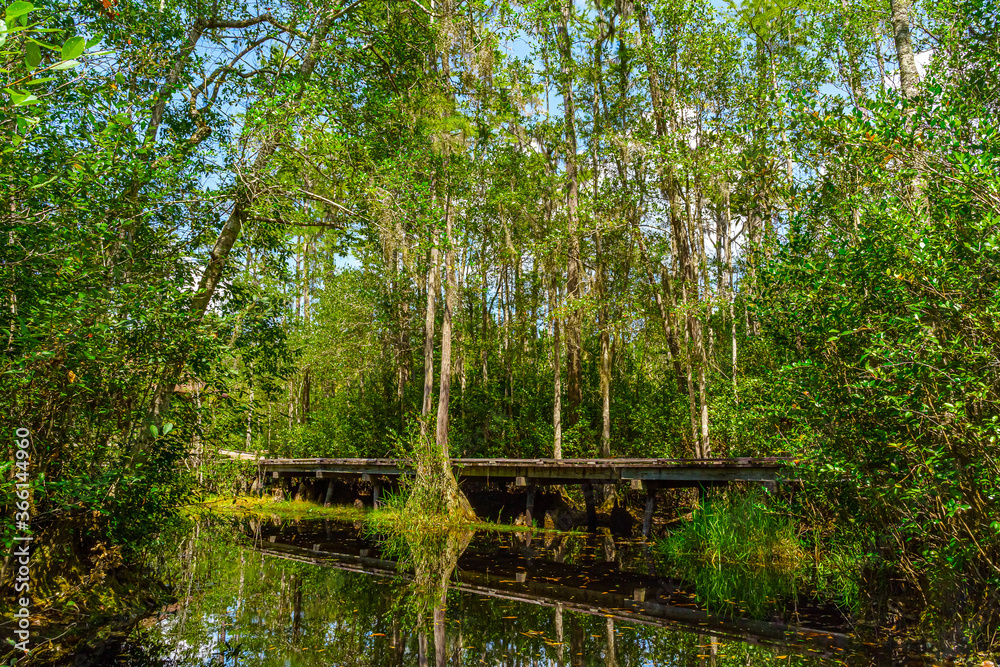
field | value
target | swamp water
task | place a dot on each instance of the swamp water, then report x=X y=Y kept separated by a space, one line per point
x=320 y=592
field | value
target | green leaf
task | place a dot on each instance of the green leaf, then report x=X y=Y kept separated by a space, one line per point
x=32 y=54
x=73 y=47
x=167 y=428
x=41 y=185
x=154 y=430
x=23 y=99
x=35 y=82
x=95 y=40
x=19 y=9
x=69 y=64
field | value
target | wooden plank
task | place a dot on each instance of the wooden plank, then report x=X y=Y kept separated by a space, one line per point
x=704 y=474
x=539 y=472
x=668 y=472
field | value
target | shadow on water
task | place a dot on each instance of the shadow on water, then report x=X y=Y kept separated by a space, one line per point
x=325 y=593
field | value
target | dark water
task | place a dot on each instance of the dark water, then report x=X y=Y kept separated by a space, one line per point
x=324 y=593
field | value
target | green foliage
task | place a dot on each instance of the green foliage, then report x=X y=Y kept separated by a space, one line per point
x=744 y=557
x=884 y=335
x=742 y=531
x=227 y=477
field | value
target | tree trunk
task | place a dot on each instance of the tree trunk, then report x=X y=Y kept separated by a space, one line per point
x=432 y=290
x=605 y=352
x=727 y=220
x=556 y=369
x=573 y=319
x=246 y=446
x=666 y=317
x=304 y=396
x=909 y=81
x=451 y=287
x=908 y=76
x=219 y=256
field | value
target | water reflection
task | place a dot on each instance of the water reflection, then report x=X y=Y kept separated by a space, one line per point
x=323 y=593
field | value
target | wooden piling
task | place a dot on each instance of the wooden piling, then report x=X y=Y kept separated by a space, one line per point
x=647 y=519
x=588 y=497
x=529 y=503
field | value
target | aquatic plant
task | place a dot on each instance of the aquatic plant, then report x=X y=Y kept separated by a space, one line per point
x=736 y=530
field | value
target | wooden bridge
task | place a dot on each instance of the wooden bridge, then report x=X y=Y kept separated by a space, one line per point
x=648 y=475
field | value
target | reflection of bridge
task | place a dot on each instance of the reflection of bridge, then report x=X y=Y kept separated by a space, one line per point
x=645 y=474
x=622 y=596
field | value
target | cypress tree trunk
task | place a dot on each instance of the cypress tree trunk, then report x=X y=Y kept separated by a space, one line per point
x=444 y=393
x=556 y=371
x=574 y=319
x=429 y=315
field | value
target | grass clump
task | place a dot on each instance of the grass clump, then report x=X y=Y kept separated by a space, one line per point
x=428 y=500
x=740 y=531
x=267 y=506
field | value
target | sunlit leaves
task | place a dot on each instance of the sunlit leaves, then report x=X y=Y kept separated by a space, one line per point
x=16 y=10
x=73 y=47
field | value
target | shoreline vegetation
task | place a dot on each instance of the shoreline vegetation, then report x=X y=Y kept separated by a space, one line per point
x=741 y=552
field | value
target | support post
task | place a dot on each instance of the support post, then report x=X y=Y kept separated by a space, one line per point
x=588 y=497
x=647 y=519
x=529 y=503
x=376 y=495
x=328 y=498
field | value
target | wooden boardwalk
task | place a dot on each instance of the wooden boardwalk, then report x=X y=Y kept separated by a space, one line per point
x=648 y=475
x=525 y=472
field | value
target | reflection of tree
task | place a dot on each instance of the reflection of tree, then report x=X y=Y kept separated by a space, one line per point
x=576 y=640
x=559 y=635
x=296 y=608
x=261 y=609
x=609 y=654
x=433 y=555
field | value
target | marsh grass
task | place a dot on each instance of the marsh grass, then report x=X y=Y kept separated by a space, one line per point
x=742 y=557
x=266 y=506
x=740 y=591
